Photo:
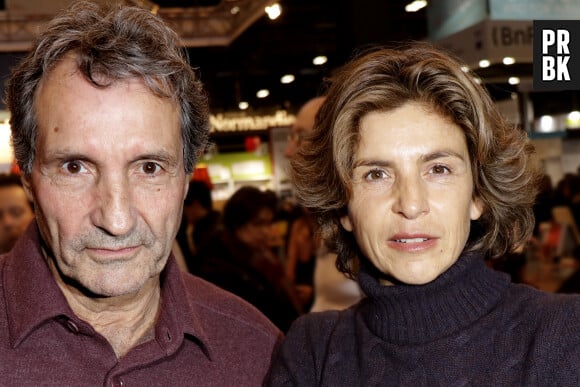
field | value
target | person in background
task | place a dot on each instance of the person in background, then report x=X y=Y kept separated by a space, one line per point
x=198 y=224
x=15 y=211
x=240 y=258
x=422 y=180
x=309 y=264
x=107 y=119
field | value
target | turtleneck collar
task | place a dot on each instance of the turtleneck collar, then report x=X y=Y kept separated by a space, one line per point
x=413 y=314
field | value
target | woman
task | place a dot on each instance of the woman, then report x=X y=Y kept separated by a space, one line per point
x=415 y=178
x=240 y=258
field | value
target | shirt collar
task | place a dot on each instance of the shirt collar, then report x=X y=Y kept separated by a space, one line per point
x=33 y=297
x=178 y=317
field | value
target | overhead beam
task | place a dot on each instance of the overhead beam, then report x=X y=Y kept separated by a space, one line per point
x=218 y=25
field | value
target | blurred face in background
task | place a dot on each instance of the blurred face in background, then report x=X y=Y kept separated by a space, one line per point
x=257 y=232
x=15 y=215
x=304 y=123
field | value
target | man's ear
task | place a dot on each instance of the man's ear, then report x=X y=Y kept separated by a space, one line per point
x=186 y=188
x=27 y=185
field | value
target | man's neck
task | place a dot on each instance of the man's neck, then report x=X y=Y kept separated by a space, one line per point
x=125 y=321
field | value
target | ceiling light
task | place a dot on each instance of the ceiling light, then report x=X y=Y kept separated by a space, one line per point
x=547 y=124
x=416 y=5
x=574 y=115
x=508 y=60
x=573 y=120
x=514 y=80
x=263 y=93
x=484 y=63
x=286 y=79
x=235 y=10
x=319 y=60
x=243 y=105
x=273 y=11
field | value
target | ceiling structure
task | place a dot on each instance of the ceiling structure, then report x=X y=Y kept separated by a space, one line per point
x=268 y=49
x=238 y=50
x=238 y=53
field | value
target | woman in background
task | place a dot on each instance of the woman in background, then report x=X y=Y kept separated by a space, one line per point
x=240 y=258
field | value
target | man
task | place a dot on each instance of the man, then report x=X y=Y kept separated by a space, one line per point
x=303 y=124
x=107 y=119
x=15 y=211
x=332 y=290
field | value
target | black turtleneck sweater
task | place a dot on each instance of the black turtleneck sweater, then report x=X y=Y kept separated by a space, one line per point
x=469 y=327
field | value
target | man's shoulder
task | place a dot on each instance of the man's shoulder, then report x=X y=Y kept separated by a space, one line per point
x=226 y=309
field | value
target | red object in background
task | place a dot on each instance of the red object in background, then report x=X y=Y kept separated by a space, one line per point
x=252 y=143
x=14 y=168
x=201 y=173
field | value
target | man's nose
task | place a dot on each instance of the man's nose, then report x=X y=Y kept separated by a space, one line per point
x=291 y=148
x=114 y=211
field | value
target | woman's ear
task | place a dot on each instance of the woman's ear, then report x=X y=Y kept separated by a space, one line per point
x=346 y=222
x=476 y=209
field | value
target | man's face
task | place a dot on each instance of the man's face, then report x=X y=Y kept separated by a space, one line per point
x=412 y=196
x=108 y=181
x=303 y=124
x=15 y=215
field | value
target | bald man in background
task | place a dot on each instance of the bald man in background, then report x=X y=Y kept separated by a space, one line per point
x=303 y=124
x=332 y=289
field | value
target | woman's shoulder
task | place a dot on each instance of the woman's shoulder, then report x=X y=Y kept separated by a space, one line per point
x=552 y=321
x=318 y=329
x=313 y=340
x=553 y=313
x=533 y=298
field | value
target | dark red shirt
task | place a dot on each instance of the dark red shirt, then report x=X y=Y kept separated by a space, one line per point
x=204 y=336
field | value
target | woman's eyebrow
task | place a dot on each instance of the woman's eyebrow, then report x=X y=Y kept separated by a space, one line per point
x=371 y=162
x=442 y=154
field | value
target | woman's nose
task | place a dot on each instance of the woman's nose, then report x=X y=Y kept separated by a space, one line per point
x=411 y=197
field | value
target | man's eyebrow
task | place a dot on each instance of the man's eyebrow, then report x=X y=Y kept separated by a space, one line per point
x=64 y=154
x=161 y=156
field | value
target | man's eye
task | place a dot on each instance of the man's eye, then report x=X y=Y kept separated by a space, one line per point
x=73 y=167
x=150 y=168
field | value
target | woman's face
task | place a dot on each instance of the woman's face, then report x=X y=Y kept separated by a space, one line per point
x=412 y=193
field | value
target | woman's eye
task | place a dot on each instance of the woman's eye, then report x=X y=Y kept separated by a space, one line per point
x=73 y=167
x=150 y=168
x=440 y=169
x=375 y=174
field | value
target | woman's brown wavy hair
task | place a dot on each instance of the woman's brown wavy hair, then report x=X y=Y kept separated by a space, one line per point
x=505 y=177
